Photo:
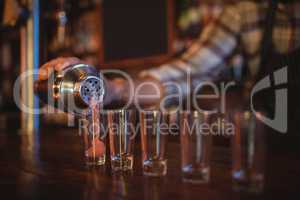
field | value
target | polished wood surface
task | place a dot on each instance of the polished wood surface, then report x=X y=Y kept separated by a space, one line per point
x=49 y=165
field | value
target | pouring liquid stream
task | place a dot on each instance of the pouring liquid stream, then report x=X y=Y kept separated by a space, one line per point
x=96 y=151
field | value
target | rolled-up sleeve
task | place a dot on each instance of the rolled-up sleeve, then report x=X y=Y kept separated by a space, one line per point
x=208 y=55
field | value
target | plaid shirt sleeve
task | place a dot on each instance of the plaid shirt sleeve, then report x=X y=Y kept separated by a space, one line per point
x=207 y=56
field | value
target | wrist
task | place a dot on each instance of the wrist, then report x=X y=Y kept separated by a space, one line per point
x=148 y=91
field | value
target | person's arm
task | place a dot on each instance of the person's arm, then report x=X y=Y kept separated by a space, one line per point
x=202 y=60
x=118 y=90
x=206 y=57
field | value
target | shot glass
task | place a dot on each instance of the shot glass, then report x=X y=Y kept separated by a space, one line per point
x=195 y=141
x=93 y=140
x=248 y=152
x=154 y=131
x=121 y=125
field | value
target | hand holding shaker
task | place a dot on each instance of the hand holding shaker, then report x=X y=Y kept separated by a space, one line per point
x=78 y=89
x=72 y=89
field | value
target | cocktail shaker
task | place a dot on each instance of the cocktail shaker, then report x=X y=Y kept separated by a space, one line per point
x=73 y=89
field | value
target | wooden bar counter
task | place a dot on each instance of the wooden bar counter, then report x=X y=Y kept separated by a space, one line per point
x=49 y=165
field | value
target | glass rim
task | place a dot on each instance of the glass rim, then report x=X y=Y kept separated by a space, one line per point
x=195 y=112
x=151 y=111
x=246 y=114
x=119 y=110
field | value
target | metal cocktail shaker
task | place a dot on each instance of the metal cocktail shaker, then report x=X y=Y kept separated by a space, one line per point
x=73 y=89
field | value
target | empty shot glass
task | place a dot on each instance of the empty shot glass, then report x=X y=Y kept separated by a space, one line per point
x=121 y=125
x=248 y=152
x=195 y=141
x=154 y=131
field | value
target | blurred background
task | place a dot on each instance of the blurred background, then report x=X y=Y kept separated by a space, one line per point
x=106 y=34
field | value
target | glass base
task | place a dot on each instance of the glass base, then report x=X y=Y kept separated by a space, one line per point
x=155 y=168
x=242 y=183
x=245 y=187
x=197 y=176
x=95 y=161
x=122 y=163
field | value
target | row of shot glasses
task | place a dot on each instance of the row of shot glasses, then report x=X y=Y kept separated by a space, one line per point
x=195 y=130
